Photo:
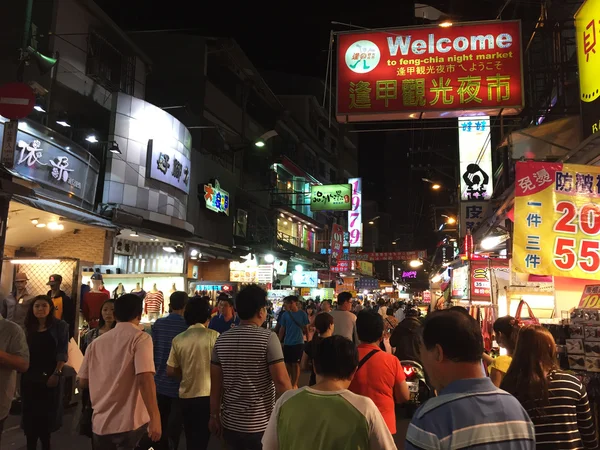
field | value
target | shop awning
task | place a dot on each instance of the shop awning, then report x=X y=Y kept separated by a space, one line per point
x=67 y=211
x=549 y=141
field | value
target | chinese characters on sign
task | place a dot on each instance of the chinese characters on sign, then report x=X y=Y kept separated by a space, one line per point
x=31 y=155
x=590 y=297
x=337 y=241
x=330 y=197
x=471 y=215
x=355 y=225
x=587 y=26
x=168 y=166
x=475 y=150
x=557 y=205
x=385 y=256
x=9 y=140
x=430 y=69
x=216 y=199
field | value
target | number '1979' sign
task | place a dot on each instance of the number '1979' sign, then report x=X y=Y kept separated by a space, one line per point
x=355 y=214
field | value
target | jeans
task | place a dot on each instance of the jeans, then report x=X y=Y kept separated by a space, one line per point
x=196 y=414
x=119 y=441
x=237 y=440
x=171 y=422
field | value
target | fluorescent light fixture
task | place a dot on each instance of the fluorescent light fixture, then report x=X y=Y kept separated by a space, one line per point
x=35 y=221
x=55 y=226
x=38 y=108
x=40 y=225
x=134 y=234
x=269 y=258
x=35 y=261
x=62 y=123
x=92 y=138
x=169 y=249
x=492 y=242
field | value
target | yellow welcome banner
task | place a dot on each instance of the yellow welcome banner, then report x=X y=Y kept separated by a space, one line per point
x=557 y=220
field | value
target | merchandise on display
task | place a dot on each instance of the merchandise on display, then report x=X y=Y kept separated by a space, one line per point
x=583 y=346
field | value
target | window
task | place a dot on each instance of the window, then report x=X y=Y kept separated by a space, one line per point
x=108 y=66
x=332 y=175
x=322 y=171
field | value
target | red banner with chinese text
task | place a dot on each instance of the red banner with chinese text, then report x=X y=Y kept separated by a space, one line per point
x=337 y=242
x=431 y=70
x=385 y=256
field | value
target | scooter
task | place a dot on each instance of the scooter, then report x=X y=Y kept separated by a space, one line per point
x=419 y=390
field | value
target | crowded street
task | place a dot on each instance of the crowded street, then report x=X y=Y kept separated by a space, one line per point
x=238 y=227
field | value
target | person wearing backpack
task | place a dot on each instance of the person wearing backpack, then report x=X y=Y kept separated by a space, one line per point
x=294 y=323
x=379 y=375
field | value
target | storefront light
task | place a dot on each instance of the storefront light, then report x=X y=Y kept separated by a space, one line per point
x=492 y=242
x=436 y=279
x=63 y=123
x=55 y=226
x=299 y=268
x=40 y=225
x=169 y=249
x=35 y=221
x=38 y=108
x=269 y=258
x=35 y=261
x=92 y=139
x=193 y=252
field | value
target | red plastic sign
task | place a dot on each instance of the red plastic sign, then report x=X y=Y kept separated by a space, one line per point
x=440 y=72
x=16 y=100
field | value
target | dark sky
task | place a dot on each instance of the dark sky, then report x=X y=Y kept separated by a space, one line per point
x=295 y=40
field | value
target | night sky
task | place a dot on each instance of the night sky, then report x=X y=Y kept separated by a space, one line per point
x=295 y=40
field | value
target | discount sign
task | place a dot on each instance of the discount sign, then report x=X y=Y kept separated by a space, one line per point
x=557 y=220
x=590 y=297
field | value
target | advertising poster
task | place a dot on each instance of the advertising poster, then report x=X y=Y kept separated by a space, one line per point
x=475 y=148
x=396 y=74
x=337 y=241
x=330 y=197
x=557 y=220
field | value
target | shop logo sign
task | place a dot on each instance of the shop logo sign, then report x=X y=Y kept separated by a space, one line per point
x=362 y=56
x=216 y=199
x=31 y=156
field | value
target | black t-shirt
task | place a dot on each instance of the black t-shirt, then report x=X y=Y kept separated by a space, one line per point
x=310 y=349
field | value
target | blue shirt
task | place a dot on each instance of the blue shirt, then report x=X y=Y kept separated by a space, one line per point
x=218 y=323
x=293 y=332
x=163 y=332
x=471 y=413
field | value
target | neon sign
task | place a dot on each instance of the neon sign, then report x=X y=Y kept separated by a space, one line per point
x=217 y=199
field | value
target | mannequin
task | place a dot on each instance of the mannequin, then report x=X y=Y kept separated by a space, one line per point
x=14 y=306
x=63 y=305
x=93 y=300
x=173 y=289
x=139 y=291
x=154 y=303
x=119 y=290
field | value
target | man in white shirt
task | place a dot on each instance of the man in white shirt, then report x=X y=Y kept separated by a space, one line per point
x=343 y=319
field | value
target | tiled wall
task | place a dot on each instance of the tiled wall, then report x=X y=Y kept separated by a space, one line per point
x=133 y=123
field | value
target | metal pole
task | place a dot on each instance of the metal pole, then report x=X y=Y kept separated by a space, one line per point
x=25 y=39
x=4 y=207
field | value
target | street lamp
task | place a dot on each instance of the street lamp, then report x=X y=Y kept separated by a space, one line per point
x=262 y=141
x=372 y=221
x=434 y=185
x=415 y=263
x=449 y=219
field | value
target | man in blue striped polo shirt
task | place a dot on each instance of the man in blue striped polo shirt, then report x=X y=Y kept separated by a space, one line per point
x=469 y=411
x=167 y=388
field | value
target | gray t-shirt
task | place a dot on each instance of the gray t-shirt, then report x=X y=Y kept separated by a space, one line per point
x=344 y=324
x=13 y=342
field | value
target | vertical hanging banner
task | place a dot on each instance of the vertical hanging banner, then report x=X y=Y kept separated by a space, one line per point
x=557 y=220
x=337 y=241
x=430 y=72
x=355 y=225
x=587 y=28
x=475 y=148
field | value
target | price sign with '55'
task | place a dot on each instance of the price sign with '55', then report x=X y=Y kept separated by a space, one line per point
x=591 y=297
x=557 y=220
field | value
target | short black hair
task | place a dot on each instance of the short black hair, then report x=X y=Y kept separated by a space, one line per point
x=457 y=333
x=369 y=325
x=250 y=301
x=290 y=299
x=128 y=307
x=178 y=300
x=344 y=297
x=225 y=298
x=336 y=357
x=196 y=311
x=323 y=321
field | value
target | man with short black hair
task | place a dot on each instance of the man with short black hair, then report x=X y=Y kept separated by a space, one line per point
x=406 y=337
x=226 y=318
x=343 y=319
x=379 y=376
x=294 y=324
x=469 y=410
x=189 y=361
x=345 y=420
x=247 y=369
x=167 y=388
x=118 y=369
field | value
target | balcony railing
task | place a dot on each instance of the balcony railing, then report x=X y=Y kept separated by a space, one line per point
x=295 y=241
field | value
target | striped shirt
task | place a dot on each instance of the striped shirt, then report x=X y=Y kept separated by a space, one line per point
x=163 y=332
x=245 y=353
x=154 y=302
x=473 y=414
x=566 y=423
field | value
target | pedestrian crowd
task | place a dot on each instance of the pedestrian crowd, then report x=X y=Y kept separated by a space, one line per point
x=230 y=375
